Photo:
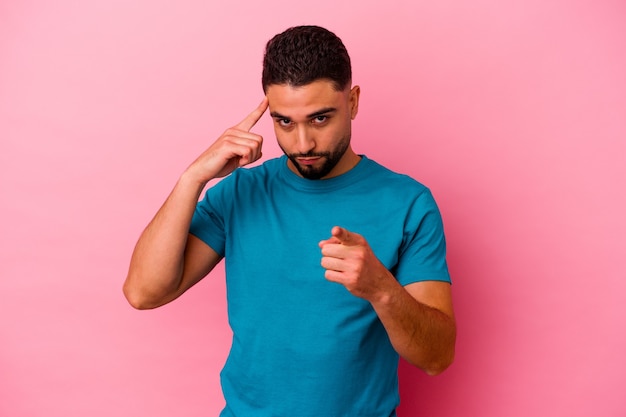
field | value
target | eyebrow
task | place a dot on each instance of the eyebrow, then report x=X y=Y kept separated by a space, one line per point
x=320 y=112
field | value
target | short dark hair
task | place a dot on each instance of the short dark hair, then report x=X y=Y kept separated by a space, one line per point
x=303 y=54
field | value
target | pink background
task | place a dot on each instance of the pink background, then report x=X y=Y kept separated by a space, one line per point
x=513 y=112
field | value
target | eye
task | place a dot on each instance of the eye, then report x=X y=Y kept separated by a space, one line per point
x=319 y=120
x=283 y=122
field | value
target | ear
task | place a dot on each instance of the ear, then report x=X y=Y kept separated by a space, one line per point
x=354 y=101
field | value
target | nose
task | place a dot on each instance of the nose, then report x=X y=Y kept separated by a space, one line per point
x=305 y=142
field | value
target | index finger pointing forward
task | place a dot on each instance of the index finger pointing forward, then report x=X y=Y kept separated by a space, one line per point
x=251 y=119
x=344 y=236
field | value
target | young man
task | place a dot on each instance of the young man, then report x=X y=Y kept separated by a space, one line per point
x=335 y=265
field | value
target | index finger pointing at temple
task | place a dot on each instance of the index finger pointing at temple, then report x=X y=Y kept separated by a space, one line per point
x=250 y=120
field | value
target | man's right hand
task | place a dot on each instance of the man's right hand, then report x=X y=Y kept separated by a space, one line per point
x=236 y=147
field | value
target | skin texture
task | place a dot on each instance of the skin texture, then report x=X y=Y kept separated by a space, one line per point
x=313 y=126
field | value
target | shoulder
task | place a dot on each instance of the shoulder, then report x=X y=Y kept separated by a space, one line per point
x=389 y=179
x=400 y=191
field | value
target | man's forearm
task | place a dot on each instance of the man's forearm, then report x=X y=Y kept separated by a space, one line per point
x=425 y=336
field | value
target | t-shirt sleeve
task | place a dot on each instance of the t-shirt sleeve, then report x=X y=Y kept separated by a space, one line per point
x=423 y=252
x=207 y=223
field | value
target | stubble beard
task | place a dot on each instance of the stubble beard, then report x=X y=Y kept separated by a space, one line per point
x=331 y=159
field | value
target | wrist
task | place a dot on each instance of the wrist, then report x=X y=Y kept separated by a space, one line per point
x=388 y=291
x=190 y=181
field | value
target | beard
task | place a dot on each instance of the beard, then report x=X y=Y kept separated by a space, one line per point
x=330 y=160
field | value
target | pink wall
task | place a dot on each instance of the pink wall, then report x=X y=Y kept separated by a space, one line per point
x=513 y=112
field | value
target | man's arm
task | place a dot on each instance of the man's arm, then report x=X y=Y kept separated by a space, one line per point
x=418 y=318
x=420 y=323
x=167 y=260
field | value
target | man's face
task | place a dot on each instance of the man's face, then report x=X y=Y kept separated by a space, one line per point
x=313 y=127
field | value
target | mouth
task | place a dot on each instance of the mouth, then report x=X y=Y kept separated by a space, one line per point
x=309 y=160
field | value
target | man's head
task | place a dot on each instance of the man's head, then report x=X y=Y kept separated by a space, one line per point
x=303 y=54
x=307 y=79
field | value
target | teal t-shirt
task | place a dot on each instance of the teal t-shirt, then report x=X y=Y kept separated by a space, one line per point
x=303 y=346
